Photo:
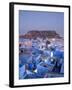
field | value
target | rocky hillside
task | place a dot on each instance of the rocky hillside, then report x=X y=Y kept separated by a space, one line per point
x=41 y=34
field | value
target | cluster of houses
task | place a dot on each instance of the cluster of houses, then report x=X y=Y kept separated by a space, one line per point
x=41 y=58
x=42 y=44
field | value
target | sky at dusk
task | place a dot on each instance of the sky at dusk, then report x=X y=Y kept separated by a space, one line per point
x=41 y=20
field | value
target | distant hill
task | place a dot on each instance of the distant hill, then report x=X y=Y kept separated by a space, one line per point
x=41 y=34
